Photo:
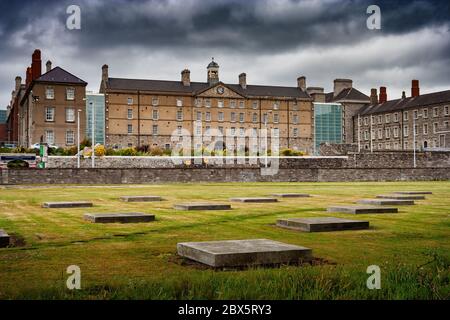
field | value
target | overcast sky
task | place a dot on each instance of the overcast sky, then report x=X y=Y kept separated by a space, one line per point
x=273 y=41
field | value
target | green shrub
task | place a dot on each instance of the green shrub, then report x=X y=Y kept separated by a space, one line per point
x=18 y=164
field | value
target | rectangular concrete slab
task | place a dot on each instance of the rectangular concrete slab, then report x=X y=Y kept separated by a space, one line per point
x=400 y=197
x=77 y=204
x=322 y=224
x=241 y=253
x=362 y=209
x=413 y=192
x=4 y=239
x=119 y=217
x=386 y=202
x=291 y=195
x=140 y=198
x=201 y=206
x=254 y=200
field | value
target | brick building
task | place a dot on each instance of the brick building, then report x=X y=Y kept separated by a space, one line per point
x=422 y=120
x=156 y=113
x=47 y=110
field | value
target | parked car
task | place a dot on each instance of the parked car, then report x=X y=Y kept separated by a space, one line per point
x=10 y=145
x=37 y=146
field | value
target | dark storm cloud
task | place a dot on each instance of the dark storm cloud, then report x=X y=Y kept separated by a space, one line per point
x=162 y=36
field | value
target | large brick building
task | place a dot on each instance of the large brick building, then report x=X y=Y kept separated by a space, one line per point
x=47 y=106
x=155 y=112
x=420 y=120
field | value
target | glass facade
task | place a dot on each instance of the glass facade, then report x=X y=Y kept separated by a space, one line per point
x=327 y=124
x=2 y=116
x=95 y=103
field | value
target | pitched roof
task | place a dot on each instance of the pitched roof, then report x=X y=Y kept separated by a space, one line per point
x=178 y=87
x=407 y=103
x=349 y=94
x=60 y=75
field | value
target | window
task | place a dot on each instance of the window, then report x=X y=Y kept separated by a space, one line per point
x=241 y=104
x=49 y=93
x=435 y=127
x=199 y=116
x=49 y=114
x=405 y=116
x=366 y=135
x=70 y=138
x=130 y=101
x=50 y=137
x=233 y=104
x=416 y=130
x=387 y=133
x=155 y=101
x=265 y=118
x=70 y=94
x=416 y=114
x=425 y=113
x=405 y=131
x=242 y=131
x=276 y=132
x=380 y=146
x=255 y=117
x=396 y=117
x=276 y=105
x=388 y=118
x=155 y=115
x=207 y=131
x=255 y=104
x=179 y=130
x=130 y=114
x=233 y=117
x=425 y=128
x=405 y=145
x=241 y=117
x=276 y=118
x=179 y=102
x=208 y=103
x=295 y=106
x=130 y=129
x=396 y=145
x=380 y=133
x=366 y=121
x=388 y=146
x=446 y=112
x=155 y=130
x=70 y=115
x=435 y=112
x=380 y=119
x=295 y=132
x=179 y=115
x=198 y=102
x=295 y=119
x=208 y=116
x=233 y=131
x=446 y=125
x=220 y=104
x=221 y=130
x=220 y=117
x=396 y=132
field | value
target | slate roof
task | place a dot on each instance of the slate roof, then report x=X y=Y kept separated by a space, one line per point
x=408 y=103
x=196 y=87
x=347 y=95
x=59 y=75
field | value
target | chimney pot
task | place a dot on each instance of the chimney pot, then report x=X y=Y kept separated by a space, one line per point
x=415 y=89
x=383 y=95
x=243 y=80
x=186 y=77
x=301 y=83
x=48 y=66
x=373 y=96
x=36 y=65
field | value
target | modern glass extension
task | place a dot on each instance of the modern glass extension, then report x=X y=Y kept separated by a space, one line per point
x=95 y=102
x=327 y=124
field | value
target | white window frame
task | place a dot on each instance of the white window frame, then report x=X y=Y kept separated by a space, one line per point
x=49 y=96
x=70 y=97
x=70 y=134
x=52 y=113
x=70 y=111
x=130 y=114
x=52 y=140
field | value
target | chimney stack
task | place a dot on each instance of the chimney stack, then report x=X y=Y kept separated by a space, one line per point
x=105 y=73
x=373 y=96
x=342 y=84
x=403 y=95
x=186 y=77
x=18 y=83
x=36 y=65
x=48 y=65
x=415 y=90
x=243 y=80
x=29 y=75
x=383 y=95
x=301 y=83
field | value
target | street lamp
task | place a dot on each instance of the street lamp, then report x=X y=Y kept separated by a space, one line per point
x=78 y=138
x=93 y=132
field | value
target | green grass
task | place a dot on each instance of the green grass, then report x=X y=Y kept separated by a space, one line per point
x=139 y=261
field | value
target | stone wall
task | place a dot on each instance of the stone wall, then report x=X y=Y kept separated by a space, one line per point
x=235 y=174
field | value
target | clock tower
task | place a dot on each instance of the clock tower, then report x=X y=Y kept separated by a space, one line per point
x=213 y=73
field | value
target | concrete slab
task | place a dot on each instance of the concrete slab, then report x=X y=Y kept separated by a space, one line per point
x=4 y=239
x=413 y=192
x=400 y=197
x=78 y=204
x=130 y=217
x=201 y=206
x=362 y=209
x=386 y=202
x=140 y=198
x=322 y=224
x=241 y=253
x=291 y=195
x=254 y=200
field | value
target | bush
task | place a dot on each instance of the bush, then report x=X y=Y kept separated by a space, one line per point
x=18 y=164
x=100 y=151
x=156 y=152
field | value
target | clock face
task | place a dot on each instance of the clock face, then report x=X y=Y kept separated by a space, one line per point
x=220 y=90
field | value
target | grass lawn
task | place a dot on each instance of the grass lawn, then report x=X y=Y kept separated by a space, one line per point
x=139 y=261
